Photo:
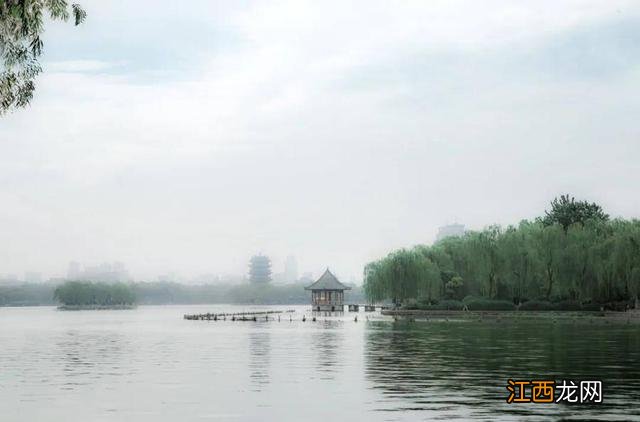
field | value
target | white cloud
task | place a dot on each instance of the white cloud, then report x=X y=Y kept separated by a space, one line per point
x=78 y=66
x=332 y=131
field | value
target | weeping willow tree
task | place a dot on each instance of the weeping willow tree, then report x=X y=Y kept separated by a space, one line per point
x=596 y=260
x=21 y=27
x=402 y=275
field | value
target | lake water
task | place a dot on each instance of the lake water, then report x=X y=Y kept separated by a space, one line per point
x=149 y=364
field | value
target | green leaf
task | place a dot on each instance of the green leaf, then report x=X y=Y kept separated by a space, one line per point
x=79 y=14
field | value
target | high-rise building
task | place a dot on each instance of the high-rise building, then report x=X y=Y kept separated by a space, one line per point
x=291 y=269
x=306 y=278
x=9 y=279
x=32 y=277
x=105 y=272
x=451 y=230
x=260 y=269
x=74 y=270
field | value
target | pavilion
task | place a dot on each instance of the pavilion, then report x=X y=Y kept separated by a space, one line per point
x=327 y=293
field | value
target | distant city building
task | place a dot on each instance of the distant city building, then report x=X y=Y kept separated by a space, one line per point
x=74 y=270
x=9 y=279
x=57 y=280
x=306 y=278
x=232 y=278
x=291 y=269
x=260 y=269
x=279 y=278
x=206 y=279
x=168 y=278
x=105 y=272
x=451 y=230
x=33 y=277
x=327 y=293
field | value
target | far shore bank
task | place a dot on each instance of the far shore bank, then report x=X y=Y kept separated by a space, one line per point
x=95 y=307
x=169 y=293
x=623 y=316
x=63 y=307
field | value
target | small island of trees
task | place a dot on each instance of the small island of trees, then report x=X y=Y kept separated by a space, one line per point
x=573 y=258
x=87 y=295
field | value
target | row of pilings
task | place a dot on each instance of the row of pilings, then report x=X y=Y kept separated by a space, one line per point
x=235 y=316
x=249 y=316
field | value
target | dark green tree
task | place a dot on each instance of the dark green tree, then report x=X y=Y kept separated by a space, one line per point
x=567 y=211
x=454 y=288
x=81 y=293
x=21 y=28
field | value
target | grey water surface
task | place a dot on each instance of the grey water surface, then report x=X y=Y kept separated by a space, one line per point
x=149 y=364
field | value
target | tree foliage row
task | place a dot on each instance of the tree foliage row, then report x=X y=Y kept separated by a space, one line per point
x=161 y=293
x=573 y=253
x=80 y=293
x=27 y=294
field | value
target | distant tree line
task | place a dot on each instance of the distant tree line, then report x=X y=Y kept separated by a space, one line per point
x=159 y=293
x=575 y=253
x=27 y=294
x=79 y=293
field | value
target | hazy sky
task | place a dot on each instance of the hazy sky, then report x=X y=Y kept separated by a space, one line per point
x=186 y=136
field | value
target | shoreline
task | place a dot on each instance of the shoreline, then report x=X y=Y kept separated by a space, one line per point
x=623 y=316
x=34 y=305
x=95 y=307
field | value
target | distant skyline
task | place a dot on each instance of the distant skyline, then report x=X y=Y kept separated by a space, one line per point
x=285 y=271
x=186 y=139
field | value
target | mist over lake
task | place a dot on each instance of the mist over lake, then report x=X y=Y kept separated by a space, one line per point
x=149 y=364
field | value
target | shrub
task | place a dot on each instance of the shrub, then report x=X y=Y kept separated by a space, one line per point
x=537 y=305
x=621 y=305
x=591 y=307
x=478 y=304
x=443 y=305
x=569 y=305
x=454 y=305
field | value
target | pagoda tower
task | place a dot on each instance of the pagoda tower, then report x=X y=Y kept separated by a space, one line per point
x=259 y=269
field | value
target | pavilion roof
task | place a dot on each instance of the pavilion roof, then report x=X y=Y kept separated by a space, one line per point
x=327 y=281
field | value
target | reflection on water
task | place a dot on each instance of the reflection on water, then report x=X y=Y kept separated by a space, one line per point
x=259 y=358
x=327 y=347
x=325 y=314
x=461 y=369
x=88 y=356
x=151 y=365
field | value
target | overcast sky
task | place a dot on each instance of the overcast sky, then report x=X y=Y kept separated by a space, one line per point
x=186 y=136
